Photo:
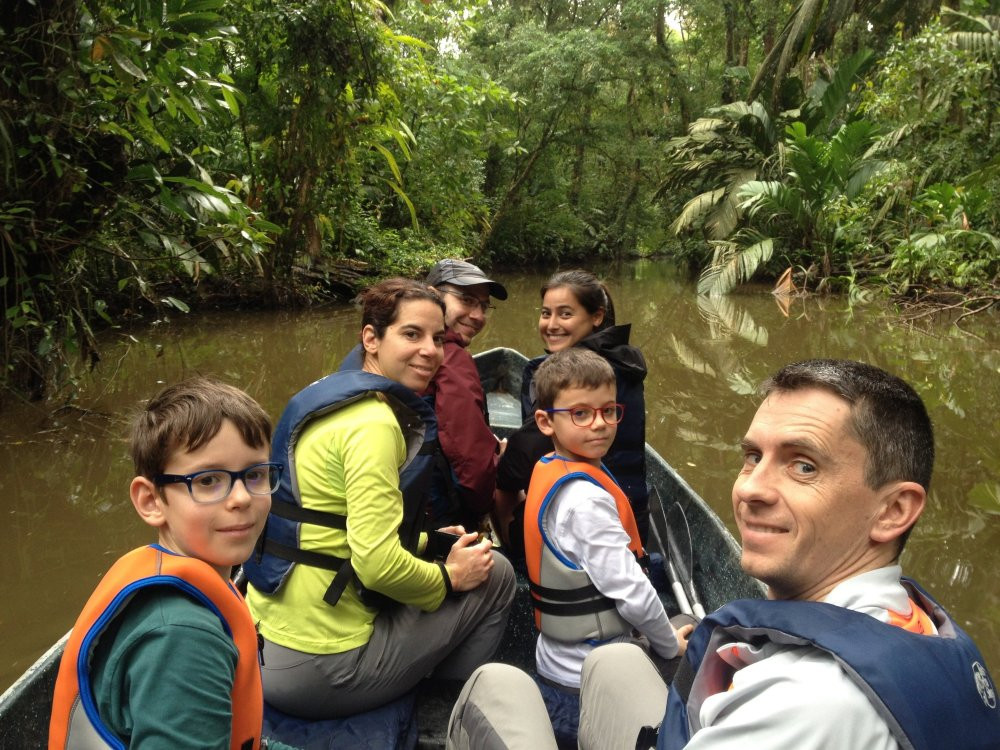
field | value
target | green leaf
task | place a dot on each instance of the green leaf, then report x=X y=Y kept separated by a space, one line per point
x=986 y=496
x=176 y=303
x=390 y=160
x=409 y=204
x=128 y=66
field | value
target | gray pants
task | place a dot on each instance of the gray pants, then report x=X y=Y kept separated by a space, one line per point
x=407 y=644
x=621 y=692
x=500 y=707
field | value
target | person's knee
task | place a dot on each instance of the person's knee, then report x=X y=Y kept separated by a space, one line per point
x=499 y=707
x=614 y=658
x=503 y=579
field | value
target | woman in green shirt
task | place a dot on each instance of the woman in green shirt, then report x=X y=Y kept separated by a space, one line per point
x=326 y=661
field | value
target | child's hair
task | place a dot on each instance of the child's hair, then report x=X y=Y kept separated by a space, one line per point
x=589 y=292
x=380 y=303
x=189 y=414
x=575 y=367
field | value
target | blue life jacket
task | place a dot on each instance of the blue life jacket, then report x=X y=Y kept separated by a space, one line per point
x=278 y=549
x=933 y=691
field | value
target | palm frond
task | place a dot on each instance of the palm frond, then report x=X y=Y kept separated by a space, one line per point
x=771 y=200
x=733 y=264
x=733 y=318
x=981 y=44
x=690 y=358
x=706 y=125
x=863 y=172
x=797 y=41
x=819 y=112
x=696 y=208
x=723 y=221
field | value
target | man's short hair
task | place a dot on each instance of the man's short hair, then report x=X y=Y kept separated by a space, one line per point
x=187 y=415
x=887 y=416
x=575 y=367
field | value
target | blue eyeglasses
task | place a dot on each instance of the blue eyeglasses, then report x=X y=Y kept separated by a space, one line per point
x=585 y=416
x=214 y=485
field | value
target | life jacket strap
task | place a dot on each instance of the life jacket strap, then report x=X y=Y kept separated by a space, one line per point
x=564 y=595
x=571 y=609
x=306 y=557
x=308 y=515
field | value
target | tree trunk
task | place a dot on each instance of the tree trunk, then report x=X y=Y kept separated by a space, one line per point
x=679 y=90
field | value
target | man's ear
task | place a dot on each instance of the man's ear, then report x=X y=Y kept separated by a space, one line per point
x=369 y=340
x=902 y=504
x=147 y=501
x=544 y=421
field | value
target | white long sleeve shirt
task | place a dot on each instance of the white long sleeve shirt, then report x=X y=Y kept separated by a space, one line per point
x=582 y=522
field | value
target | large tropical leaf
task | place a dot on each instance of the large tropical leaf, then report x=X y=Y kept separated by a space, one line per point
x=828 y=99
x=733 y=263
x=771 y=200
x=696 y=208
x=862 y=174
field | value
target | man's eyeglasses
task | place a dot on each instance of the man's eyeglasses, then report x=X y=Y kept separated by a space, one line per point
x=585 y=416
x=469 y=301
x=214 y=485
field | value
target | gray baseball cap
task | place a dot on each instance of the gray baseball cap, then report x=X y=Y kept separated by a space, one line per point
x=462 y=273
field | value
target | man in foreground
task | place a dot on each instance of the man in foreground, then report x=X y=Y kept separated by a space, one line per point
x=845 y=653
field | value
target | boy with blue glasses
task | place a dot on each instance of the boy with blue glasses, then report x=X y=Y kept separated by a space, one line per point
x=164 y=654
x=582 y=545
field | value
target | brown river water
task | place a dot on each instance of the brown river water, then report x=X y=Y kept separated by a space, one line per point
x=64 y=472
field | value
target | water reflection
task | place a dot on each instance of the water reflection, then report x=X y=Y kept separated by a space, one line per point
x=64 y=475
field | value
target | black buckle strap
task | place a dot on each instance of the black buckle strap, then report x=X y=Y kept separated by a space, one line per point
x=340 y=581
x=683 y=679
x=570 y=609
x=564 y=595
x=306 y=557
x=647 y=738
x=308 y=515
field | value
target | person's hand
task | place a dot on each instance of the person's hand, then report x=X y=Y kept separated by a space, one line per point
x=683 y=633
x=468 y=563
x=503 y=447
x=456 y=530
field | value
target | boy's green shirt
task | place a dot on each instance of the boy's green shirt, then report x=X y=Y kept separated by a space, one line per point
x=162 y=674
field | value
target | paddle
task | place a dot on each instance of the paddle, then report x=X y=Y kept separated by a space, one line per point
x=680 y=574
x=686 y=570
x=659 y=529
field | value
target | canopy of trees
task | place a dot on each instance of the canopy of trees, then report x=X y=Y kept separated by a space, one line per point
x=170 y=154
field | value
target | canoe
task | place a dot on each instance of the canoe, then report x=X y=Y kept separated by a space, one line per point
x=714 y=564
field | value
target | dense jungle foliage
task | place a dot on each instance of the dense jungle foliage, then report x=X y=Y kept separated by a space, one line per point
x=162 y=155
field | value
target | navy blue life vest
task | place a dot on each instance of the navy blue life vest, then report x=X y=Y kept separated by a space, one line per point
x=933 y=691
x=279 y=550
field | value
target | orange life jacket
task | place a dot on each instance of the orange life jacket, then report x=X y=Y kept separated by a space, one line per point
x=75 y=722
x=567 y=605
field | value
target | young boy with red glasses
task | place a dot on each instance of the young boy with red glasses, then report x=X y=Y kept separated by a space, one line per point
x=581 y=542
x=164 y=654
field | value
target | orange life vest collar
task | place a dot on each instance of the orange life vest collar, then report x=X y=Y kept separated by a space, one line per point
x=74 y=712
x=918 y=621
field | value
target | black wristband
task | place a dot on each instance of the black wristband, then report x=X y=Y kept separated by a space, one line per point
x=448 y=590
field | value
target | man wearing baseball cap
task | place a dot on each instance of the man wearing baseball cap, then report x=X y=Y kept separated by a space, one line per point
x=464 y=484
